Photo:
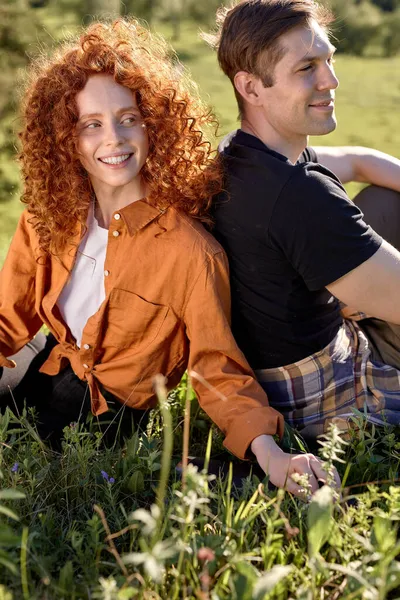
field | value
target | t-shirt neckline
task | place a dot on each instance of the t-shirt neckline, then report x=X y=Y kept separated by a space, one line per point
x=248 y=139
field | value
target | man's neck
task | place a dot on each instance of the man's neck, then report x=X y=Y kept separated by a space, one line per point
x=291 y=148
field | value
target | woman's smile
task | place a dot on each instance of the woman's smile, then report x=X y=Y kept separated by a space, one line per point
x=116 y=161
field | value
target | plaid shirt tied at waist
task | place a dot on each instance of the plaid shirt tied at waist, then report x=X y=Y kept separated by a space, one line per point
x=325 y=387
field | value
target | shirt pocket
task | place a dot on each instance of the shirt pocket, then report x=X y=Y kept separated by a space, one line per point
x=132 y=322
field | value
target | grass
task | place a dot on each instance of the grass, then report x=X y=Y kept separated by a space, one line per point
x=97 y=522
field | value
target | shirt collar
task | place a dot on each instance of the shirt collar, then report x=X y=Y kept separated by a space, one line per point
x=251 y=141
x=139 y=214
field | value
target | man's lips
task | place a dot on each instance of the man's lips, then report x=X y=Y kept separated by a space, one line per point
x=323 y=104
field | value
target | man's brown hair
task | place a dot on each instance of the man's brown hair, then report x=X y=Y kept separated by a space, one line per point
x=248 y=35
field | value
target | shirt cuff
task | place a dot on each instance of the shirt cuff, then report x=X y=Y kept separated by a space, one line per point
x=259 y=421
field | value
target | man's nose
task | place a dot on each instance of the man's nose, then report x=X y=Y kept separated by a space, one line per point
x=328 y=79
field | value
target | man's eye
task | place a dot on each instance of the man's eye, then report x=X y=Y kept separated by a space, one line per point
x=307 y=68
x=331 y=61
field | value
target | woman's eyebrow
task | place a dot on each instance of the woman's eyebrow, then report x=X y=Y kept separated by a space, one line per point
x=120 y=111
x=128 y=109
x=89 y=116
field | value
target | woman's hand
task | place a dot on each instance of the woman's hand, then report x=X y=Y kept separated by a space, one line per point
x=280 y=466
x=6 y=362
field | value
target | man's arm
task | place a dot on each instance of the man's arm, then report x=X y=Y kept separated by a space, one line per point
x=355 y=163
x=374 y=286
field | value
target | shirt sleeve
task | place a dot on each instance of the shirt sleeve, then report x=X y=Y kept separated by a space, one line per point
x=231 y=396
x=308 y=155
x=319 y=229
x=19 y=321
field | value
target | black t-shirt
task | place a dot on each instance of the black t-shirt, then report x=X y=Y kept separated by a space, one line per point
x=288 y=230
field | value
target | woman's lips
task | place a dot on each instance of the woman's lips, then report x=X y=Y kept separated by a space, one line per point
x=115 y=162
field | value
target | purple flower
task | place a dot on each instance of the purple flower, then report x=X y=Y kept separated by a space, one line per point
x=14 y=468
x=105 y=475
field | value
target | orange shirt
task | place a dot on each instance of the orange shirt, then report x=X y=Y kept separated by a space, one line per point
x=167 y=308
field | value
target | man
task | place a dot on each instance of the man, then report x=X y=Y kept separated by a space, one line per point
x=297 y=245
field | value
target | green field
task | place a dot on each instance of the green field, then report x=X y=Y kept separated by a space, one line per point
x=83 y=524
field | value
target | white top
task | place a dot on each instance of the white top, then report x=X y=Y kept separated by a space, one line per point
x=84 y=291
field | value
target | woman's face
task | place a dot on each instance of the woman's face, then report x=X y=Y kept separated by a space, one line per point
x=112 y=138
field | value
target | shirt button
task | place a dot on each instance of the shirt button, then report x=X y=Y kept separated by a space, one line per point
x=106 y=273
x=86 y=346
x=85 y=366
x=115 y=233
x=117 y=216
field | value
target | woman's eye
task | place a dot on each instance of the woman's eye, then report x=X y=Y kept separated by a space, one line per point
x=128 y=120
x=92 y=125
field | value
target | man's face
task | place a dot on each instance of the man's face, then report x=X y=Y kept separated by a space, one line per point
x=301 y=101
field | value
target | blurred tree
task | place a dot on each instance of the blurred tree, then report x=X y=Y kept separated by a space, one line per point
x=19 y=26
x=203 y=12
x=38 y=3
x=173 y=11
x=142 y=9
x=100 y=8
x=391 y=38
x=358 y=25
x=176 y=11
x=387 y=5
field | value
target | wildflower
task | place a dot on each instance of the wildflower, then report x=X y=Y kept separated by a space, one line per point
x=106 y=477
x=14 y=468
x=304 y=482
x=205 y=554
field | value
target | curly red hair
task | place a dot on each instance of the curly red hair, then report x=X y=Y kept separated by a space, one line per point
x=180 y=169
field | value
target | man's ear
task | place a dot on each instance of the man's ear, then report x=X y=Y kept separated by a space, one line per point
x=248 y=86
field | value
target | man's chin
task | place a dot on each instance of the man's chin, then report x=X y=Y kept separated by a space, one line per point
x=323 y=128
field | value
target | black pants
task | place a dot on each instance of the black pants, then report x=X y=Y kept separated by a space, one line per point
x=60 y=399
x=381 y=208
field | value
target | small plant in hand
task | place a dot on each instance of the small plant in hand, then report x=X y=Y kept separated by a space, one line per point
x=93 y=522
x=331 y=447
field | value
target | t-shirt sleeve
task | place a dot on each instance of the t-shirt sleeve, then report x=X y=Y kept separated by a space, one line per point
x=319 y=229
x=308 y=155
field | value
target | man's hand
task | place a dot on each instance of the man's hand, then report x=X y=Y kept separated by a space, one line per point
x=280 y=466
